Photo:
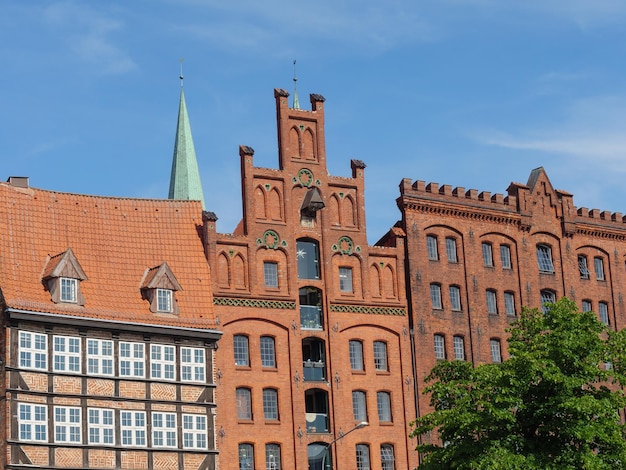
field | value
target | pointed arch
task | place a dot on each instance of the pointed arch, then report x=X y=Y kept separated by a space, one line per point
x=240 y=272
x=223 y=271
x=334 y=210
x=348 y=215
x=308 y=145
x=294 y=142
x=260 y=203
x=389 y=282
x=274 y=205
x=375 y=284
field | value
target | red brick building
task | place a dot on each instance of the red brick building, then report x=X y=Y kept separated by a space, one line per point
x=473 y=259
x=316 y=333
x=108 y=333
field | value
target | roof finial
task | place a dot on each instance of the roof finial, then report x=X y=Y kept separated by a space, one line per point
x=296 y=101
x=181 y=60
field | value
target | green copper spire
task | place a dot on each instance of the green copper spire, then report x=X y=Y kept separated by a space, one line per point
x=185 y=178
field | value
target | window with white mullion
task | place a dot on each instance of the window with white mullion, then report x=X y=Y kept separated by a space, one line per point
x=496 y=354
x=455 y=298
x=598 y=265
x=164 y=300
x=509 y=303
x=431 y=246
x=383 y=402
x=505 y=256
x=440 y=347
x=101 y=426
x=487 y=255
x=133 y=428
x=603 y=312
x=435 y=296
x=164 y=429
x=69 y=288
x=451 y=250
x=66 y=355
x=492 y=303
x=192 y=365
x=194 y=432
x=33 y=350
x=67 y=425
x=162 y=362
x=582 y=267
x=99 y=357
x=132 y=359
x=32 y=422
x=459 y=348
x=544 y=259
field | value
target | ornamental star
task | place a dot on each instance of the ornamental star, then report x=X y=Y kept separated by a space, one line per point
x=300 y=254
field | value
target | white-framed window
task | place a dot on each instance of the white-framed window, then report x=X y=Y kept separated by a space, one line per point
x=363 y=457
x=133 y=428
x=587 y=306
x=101 y=426
x=380 y=356
x=99 y=357
x=505 y=256
x=33 y=422
x=244 y=403
x=272 y=457
x=268 y=352
x=66 y=355
x=387 y=458
x=162 y=361
x=455 y=298
x=194 y=432
x=451 y=250
x=270 y=404
x=487 y=254
x=440 y=347
x=435 y=296
x=246 y=456
x=459 y=348
x=69 y=290
x=345 y=279
x=192 y=365
x=356 y=355
x=547 y=297
x=383 y=402
x=33 y=350
x=509 y=303
x=582 y=267
x=544 y=259
x=164 y=300
x=431 y=246
x=603 y=312
x=67 y=424
x=241 y=350
x=496 y=353
x=270 y=274
x=164 y=430
x=492 y=302
x=359 y=405
x=598 y=265
x=132 y=359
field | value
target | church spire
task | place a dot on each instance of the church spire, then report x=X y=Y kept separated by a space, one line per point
x=296 y=101
x=185 y=177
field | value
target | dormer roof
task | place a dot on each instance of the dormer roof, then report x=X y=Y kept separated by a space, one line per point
x=160 y=277
x=64 y=265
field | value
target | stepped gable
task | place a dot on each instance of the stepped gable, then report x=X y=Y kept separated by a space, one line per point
x=115 y=241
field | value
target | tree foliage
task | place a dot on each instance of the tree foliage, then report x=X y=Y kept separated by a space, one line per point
x=554 y=404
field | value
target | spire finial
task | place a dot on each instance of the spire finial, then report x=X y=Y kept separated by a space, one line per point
x=181 y=60
x=296 y=101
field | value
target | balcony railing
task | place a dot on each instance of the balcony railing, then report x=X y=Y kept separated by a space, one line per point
x=316 y=422
x=310 y=317
x=314 y=371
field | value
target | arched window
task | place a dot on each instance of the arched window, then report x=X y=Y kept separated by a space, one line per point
x=307 y=255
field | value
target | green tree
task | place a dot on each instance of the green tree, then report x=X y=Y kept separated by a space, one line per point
x=553 y=405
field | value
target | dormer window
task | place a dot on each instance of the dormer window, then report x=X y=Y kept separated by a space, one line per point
x=69 y=287
x=159 y=287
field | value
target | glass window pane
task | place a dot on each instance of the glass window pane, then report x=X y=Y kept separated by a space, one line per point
x=356 y=355
x=240 y=344
x=496 y=355
x=359 y=407
x=487 y=255
x=307 y=254
x=492 y=305
x=345 y=279
x=455 y=298
x=544 y=259
x=509 y=303
x=598 y=265
x=380 y=355
x=505 y=256
x=431 y=245
x=270 y=274
x=440 y=347
x=451 y=250
x=582 y=267
x=459 y=348
x=435 y=296
x=268 y=352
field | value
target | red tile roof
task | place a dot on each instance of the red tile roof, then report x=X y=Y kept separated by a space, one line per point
x=115 y=240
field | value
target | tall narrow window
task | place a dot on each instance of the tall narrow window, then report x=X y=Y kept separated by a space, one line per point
x=272 y=457
x=67 y=424
x=359 y=406
x=240 y=347
x=244 y=404
x=380 y=356
x=99 y=357
x=582 y=267
x=455 y=298
x=603 y=312
x=387 y=459
x=345 y=279
x=192 y=365
x=496 y=354
x=246 y=457
x=363 y=457
x=505 y=256
x=459 y=348
x=307 y=255
x=487 y=255
x=451 y=250
x=544 y=259
x=587 y=306
x=492 y=303
x=33 y=422
x=194 y=432
x=164 y=429
x=509 y=303
x=435 y=296
x=101 y=426
x=547 y=297
x=133 y=428
x=164 y=300
x=270 y=274
x=66 y=354
x=69 y=288
x=270 y=404
x=383 y=400
x=162 y=362
x=33 y=351
x=132 y=359
x=268 y=352
x=440 y=347
x=431 y=245
x=356 y=355
x=598 y=265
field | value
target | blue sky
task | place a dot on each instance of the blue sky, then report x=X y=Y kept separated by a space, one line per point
x=472 y=93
